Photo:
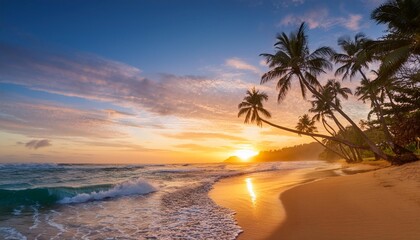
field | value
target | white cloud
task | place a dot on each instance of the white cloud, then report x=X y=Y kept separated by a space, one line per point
x=354 y=22
x=298 y=1
x=237 y=63
x=263 y=63
x=321 y=18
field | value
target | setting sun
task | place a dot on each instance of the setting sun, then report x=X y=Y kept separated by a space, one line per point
x=245 y=154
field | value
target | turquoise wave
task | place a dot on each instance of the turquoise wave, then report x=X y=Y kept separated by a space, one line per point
x=11 y=199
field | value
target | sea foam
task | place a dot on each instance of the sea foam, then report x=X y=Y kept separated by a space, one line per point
x=127 y=188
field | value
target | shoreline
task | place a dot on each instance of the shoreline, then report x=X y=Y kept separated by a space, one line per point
x=372 y=202
x=255 y=197
x=382 y=204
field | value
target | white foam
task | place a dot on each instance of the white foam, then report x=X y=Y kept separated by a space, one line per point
x=11 y=233
x=35 y=217
x=18 y=211
x=179 y=170
x=131 y=187
x=29 y=166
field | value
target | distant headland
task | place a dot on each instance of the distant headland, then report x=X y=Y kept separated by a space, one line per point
x=309 y=151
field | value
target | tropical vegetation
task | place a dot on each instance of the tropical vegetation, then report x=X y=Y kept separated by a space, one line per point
x=391 y=130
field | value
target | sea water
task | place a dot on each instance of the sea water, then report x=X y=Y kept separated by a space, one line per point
x=74 y=201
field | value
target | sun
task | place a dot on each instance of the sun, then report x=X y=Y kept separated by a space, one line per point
x=245 y=154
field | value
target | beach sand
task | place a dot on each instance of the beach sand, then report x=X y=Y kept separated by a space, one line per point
x=382 y=204
x=255 y=198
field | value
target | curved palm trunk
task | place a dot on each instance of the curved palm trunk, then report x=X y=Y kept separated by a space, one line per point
x=344 y=151
x=331 y=149
x=331 y=131
x=343 y=141
x=340 y=126
x=371 y=144
x=397 y=149
x=355 y=156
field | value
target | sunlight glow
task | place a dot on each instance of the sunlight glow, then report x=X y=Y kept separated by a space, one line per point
x=251 y=190
x=245 y=154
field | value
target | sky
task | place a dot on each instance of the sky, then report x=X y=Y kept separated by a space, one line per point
x=153 y=81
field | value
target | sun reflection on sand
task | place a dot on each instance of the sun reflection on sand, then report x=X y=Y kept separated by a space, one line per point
x=251 y=190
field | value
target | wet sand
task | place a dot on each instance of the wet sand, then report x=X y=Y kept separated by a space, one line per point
x=255 y=198
x=381 y=204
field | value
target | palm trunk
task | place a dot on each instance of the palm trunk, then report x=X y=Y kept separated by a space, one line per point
x=331 y=131
x=343 y=141
x=397 y=149
x=371 y=144
x=354 y=154
x=339 y=125
x=329 y=148
x=346 y=153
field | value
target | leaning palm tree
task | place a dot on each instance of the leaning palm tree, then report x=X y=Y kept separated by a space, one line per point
x=353 y=58
x=331 y=91
x=307 y=125
x=253 y=108
x=402 y=41
x=369 y=91
x=293 y=61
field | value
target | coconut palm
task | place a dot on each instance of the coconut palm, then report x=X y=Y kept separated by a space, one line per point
x=293 y=61
x=402 y=41
x=331 y=91
x=354 y=57
x=253 y=109
x=306 y=124
x=252 y=106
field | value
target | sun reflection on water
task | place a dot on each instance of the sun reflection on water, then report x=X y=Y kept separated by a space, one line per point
x=251 y=190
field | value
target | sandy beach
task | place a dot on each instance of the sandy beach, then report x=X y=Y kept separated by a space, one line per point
x=380 y=204
x=255 y=198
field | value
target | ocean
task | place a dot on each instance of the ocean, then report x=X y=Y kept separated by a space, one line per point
x=83 y=201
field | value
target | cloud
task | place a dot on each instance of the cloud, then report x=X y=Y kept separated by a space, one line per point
x=320 y=18
x=354 y=22
x=203 y=136
x=117 y=114
x=263 y=63
x=170 y=100
x=201 y=148
x=241 y=65
x=98 y=79
x=42 y=119
x=35 y=144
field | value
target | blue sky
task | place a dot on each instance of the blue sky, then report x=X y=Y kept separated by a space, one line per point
x=169 y=69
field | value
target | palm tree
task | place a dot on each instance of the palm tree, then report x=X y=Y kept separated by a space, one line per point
x=306 y=124
x=253 y=109
x=370 y=91
x=252 y=106
x=294 y=61
x=402 y=41
x=331 y=91
x=354 y=57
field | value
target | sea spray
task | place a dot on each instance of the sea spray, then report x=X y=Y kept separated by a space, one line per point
x=130 y=187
